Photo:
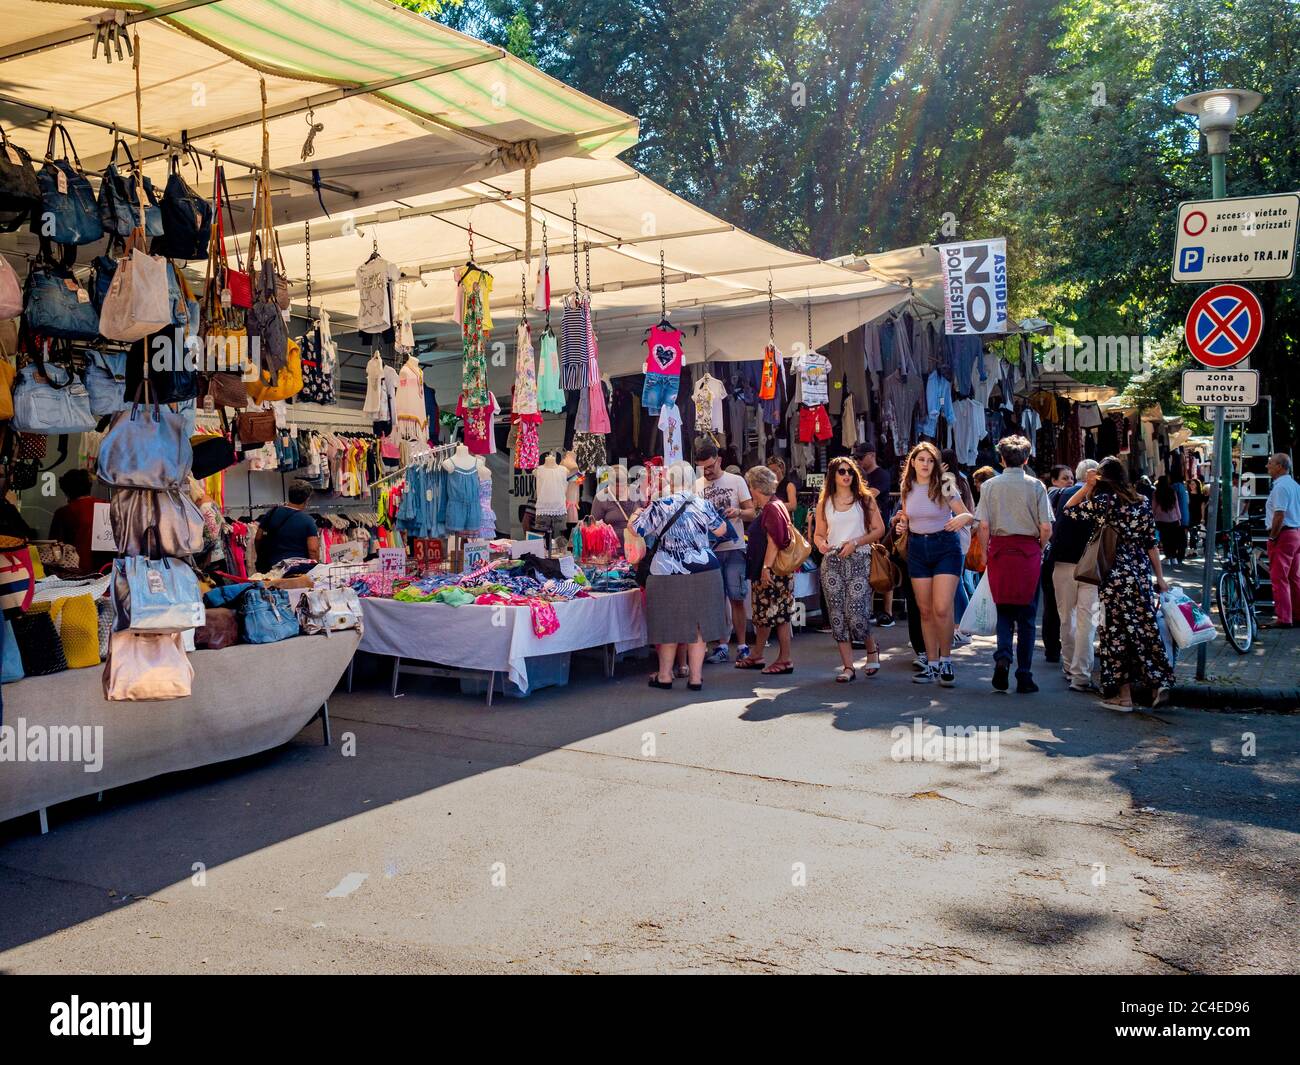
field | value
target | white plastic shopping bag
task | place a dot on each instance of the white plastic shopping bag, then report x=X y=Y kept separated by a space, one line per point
x=1187 y=623
x=981 y=615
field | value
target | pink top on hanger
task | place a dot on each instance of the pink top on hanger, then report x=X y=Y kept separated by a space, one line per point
x=664 y=351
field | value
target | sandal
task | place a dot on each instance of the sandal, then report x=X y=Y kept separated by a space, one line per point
x=872 y=666
x=695 y=687
x=779 y=669
x=1115 y=704
x=749 y=663
x=655 y=682
x=846 y=674
x=681 y=671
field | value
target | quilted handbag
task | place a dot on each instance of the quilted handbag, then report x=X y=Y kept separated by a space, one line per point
x=78 y=627
x=147 y=665
x=68 y=212
x=51 y=401
x=20 y=193
x=56 y=305
x=11 y=291
x=137 y=304
x=156 y=595
x=186 y=218
x=225 y=390
x=146 y=446
x=172 y=515
x=39 y=644
x=106 y=382
x=265 y=615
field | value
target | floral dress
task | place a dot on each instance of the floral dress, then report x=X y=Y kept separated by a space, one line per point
x=474 y=371
x=1131 y=649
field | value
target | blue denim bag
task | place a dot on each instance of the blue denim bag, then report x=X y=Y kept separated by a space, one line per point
x=52 y=306
x=265 y=616
x=68 y=213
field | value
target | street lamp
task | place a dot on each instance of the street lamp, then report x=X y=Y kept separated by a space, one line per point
x=1217 y=111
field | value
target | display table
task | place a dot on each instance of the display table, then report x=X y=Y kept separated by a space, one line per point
x=247 y=698
x=497 y=639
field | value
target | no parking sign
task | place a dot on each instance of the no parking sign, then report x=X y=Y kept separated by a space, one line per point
x=1223 y=326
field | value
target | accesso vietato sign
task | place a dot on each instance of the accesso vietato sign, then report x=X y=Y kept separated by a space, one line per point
x=975 y=286
x=1247 y=238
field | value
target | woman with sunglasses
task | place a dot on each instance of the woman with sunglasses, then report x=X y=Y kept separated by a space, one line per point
x=931 y=514
x=847 y=522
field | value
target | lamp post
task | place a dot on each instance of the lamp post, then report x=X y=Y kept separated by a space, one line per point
x=1217 y=111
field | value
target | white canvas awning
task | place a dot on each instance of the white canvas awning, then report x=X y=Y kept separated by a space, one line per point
x=407 y=104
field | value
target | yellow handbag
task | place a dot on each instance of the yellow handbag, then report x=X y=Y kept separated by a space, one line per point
x=77 y=621
x=7 y=373
x=288 y=382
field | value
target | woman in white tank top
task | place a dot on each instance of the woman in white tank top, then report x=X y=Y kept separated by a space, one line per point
x=931 y=513
x=847 y=522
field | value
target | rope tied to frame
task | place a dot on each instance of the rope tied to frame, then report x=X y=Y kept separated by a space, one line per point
x=771 y=324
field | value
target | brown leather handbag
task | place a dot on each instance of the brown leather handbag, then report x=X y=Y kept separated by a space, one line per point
x=256 y=426
x=1098 y=557
x=220 y=629
x=884 y=574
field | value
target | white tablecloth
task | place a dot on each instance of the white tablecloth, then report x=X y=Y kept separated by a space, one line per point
x=500 y=639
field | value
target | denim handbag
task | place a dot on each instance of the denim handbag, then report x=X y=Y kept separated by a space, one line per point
x=56 y=304
x=106 y=382
x=146 y=446
x=50 y=401
x=69 y=213
x=119 y=199
x=226 y=595
x=155 y=595
x=265 y=616
x=102 y=268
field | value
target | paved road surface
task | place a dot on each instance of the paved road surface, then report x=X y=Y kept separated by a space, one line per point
x=769 y=830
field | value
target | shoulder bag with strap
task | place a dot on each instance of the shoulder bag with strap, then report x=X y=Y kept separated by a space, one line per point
x=792 y=556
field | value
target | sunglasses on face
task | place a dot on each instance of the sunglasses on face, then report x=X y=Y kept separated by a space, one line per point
x=844 y=471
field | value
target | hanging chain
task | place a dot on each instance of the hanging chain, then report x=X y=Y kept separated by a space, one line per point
x=574 y=204
x=586 y=251
x=810 y=340
x=704 y=329
x=471 y=242
x=306 y=227
x=663 y=288
x=541 y=278
x=771 y=326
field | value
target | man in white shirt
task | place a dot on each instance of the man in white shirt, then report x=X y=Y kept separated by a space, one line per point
x=1282 y=515
x=730 y=494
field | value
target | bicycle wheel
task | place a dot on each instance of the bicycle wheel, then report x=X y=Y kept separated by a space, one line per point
x=1234 y=611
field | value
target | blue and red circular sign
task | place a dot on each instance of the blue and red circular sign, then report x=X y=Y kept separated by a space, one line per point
x=1224 y=325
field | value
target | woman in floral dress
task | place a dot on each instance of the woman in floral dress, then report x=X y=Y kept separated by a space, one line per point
x=1129 y=638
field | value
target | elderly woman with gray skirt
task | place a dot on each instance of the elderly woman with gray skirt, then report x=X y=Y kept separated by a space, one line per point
x=684 y=598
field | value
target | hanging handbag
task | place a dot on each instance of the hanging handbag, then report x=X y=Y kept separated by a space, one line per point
x=137 y=304
x=11 y=291
x=212 y=454
x=235 y=287
x=268 y=387
x=102 y=268
x=136 y=512
x=268 y=335
x=224 y=390
x=146 y=446
x=186 y=216
x=51 y=401
x=56 y=305
x=1098 y=557
x=20 y=193
x=68 y=211
x=146 y=665
x=265 y=615
x=169 y=360
x=256 y=426
x=155 y=595
x=106 y=382
x=118 y=204
x=220 y=629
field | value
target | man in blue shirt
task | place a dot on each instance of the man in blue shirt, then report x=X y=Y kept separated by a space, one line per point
x=1282 y=515
x=287 y=531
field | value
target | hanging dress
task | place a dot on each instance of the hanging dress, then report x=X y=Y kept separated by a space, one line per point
x=550 y=396
x=525 y=401
x=575 y=346
x=474 y=371
x=598 y=414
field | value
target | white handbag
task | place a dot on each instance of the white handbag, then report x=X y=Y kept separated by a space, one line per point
x=138 y=303
x=329 y=610
x=147 y=665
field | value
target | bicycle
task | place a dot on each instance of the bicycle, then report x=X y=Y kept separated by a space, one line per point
x=1235 y=590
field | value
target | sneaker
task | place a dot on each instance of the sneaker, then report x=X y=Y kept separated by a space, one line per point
x=1000 y=676
x=926 y=676
x=717 y=656
x=742 y=651
x=884 y=620
x=1087 y=687
x=921 y=662
x=960 y=639
x=946 y=676
x=1025 y=684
